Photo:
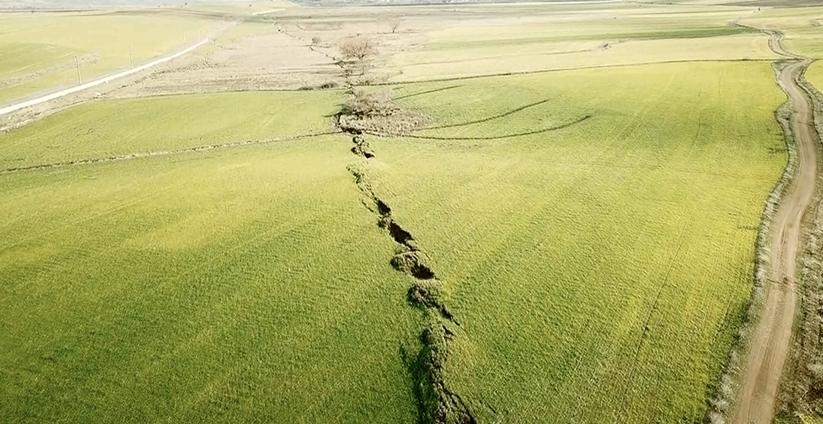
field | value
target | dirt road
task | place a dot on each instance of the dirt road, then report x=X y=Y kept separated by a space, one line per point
x=771 y=336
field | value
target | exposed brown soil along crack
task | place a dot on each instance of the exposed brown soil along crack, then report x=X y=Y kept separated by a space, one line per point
x=779 y=244
x=437 y=402
x=374 y=113
x=441 y=404
x=361 y=147
x=409 y=261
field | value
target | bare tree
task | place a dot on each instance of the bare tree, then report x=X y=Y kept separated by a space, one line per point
x=394 y=23
x=358 y=50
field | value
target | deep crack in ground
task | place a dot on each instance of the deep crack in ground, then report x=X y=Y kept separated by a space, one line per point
x=437 y=402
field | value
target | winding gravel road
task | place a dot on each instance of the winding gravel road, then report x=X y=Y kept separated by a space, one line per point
x=771 y=337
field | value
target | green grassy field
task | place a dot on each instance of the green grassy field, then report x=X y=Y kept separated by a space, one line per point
x=105 y=129
x=593 y=229
x=41 y=51
x=234 y=285
x=815 y=75
x=600 y=270
x=250 y=281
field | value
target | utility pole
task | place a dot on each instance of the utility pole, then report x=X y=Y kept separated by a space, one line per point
x=77 y=66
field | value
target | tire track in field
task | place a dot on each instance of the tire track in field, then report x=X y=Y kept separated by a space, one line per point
x=420 y=93
x=488 y=118
x=644 y=335
x=763 y=363
x=438 y=403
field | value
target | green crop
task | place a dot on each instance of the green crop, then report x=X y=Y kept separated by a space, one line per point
x=217 y=257
x=600 y=271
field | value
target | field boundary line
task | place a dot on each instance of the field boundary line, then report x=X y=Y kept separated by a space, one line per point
x=544 y=71
x=482 y=138
x=155 y=153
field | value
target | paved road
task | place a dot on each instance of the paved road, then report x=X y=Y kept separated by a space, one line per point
x=102 y=80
